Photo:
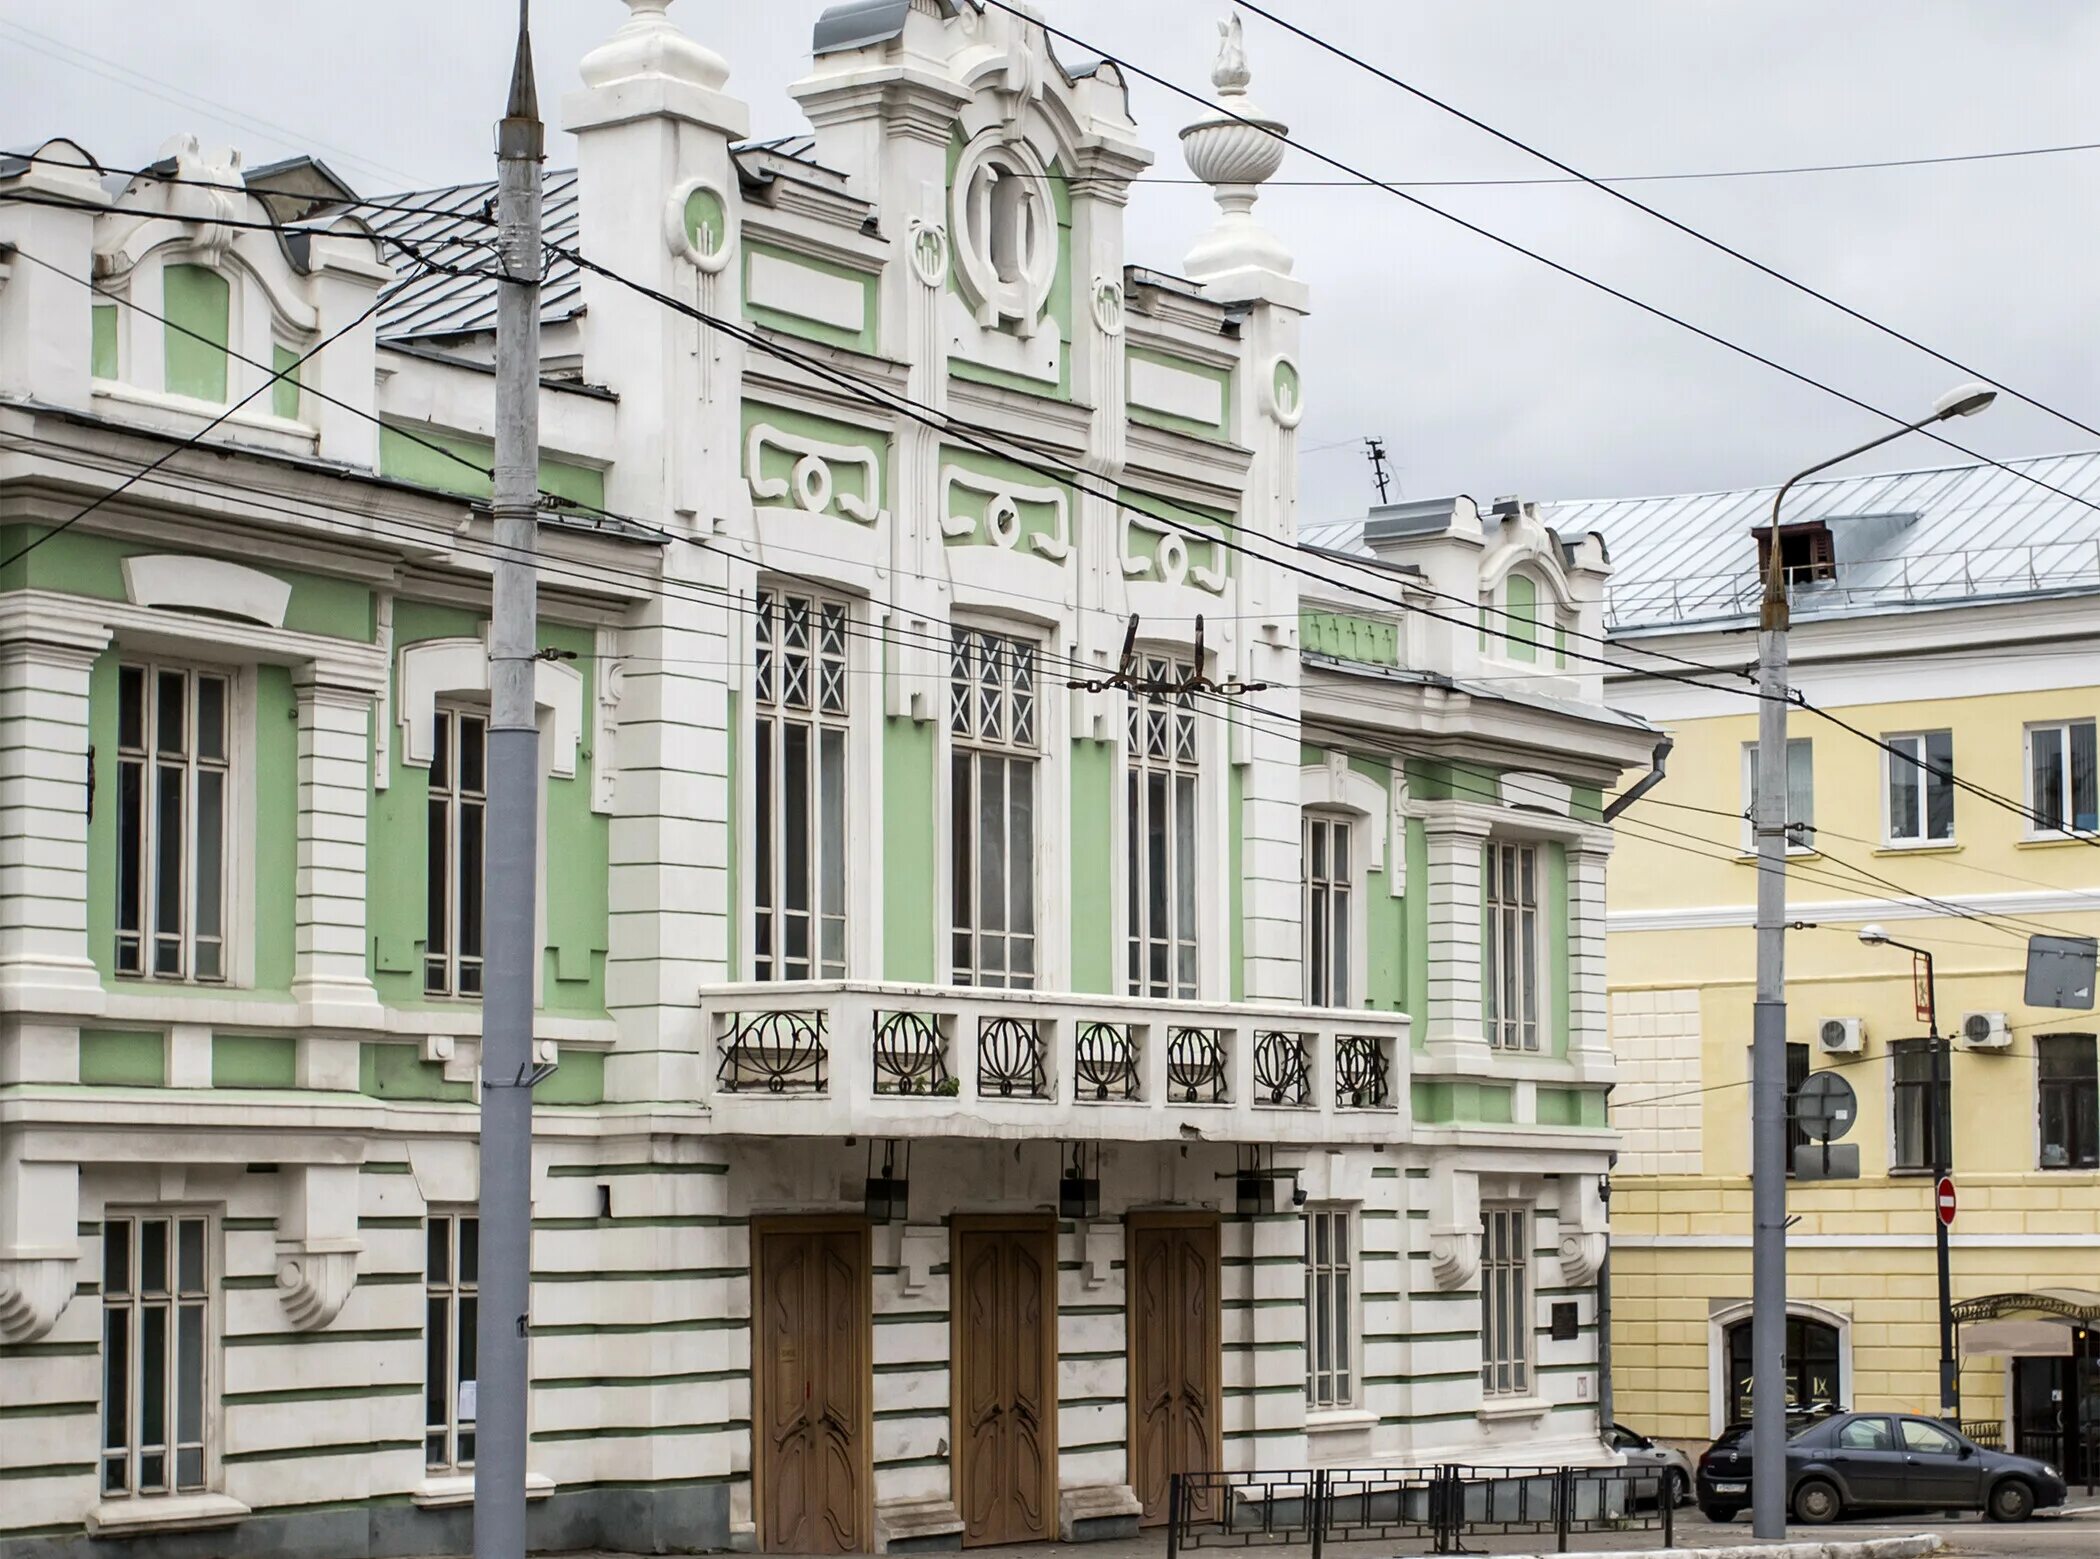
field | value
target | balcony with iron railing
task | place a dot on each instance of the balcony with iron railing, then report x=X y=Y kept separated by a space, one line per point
x=844 y=1058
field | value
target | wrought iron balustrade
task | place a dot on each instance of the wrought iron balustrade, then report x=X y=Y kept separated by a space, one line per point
x=1105 y=1062
x=1196 y=1066
x=911 y=1056
x=774 y=1052
x=1282 y=1075
x=1362 y=1075
x=1010 y=1059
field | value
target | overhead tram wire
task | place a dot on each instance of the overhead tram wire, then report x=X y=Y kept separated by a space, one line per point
x=1657 y=311
x=1661 y=216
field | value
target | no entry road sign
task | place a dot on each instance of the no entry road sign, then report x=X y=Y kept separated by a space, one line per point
x=1944 y=1194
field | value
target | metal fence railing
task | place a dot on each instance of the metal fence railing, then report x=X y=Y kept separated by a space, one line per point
x=1439 y=1506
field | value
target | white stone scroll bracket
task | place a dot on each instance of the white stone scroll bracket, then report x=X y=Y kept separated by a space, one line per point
x=39 y=1227
x=1583 y=1230
x=317 y=1243
x=1454 y=1226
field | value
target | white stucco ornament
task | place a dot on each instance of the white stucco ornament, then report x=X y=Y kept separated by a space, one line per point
x=33 y=1290
x=313 y=1285
x=1235 y=153
x=929 y=252
x=650 y=46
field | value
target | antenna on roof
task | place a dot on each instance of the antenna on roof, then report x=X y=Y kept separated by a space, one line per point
x=1375 y=449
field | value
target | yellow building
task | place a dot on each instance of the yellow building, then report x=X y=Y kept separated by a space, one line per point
x=1952 y=618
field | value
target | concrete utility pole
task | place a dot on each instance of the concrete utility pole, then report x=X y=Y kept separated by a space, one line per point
x=1768 y=1104
x=513 y=835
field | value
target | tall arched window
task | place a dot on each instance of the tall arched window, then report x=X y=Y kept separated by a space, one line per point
x=1811 y=1364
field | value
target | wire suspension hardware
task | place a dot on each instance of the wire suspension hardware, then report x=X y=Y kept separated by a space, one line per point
x=1129 y=675
x=1374 y=450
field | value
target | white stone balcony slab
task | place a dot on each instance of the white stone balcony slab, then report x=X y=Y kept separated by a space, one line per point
x=850 y=1058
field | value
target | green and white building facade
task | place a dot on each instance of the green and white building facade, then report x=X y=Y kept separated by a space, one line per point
x=1173 y=1020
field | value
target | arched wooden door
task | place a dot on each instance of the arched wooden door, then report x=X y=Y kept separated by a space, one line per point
x=1005 y=1337
x=811 y=1378
x=1172 y=1264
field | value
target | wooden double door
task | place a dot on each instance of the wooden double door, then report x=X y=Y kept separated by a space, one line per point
x=1004 y=1319
x=812 y=1380
x=1172 y=1267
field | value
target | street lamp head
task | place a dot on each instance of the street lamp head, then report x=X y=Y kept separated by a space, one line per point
x=1873 y=936
x=1964 y=400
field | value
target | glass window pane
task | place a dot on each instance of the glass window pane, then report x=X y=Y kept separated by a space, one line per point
x=469 y=1251
x=153 y=1256
x=189 y=1374
x=2085 y=777
x=473 y=754
x=116 y=1378
x=437 y=1250
x=211 y=718
x=991 y=847
x=131 y=708
x=211 y=852
x=1020 y=865
x=153 y=1377
x=189 y=1467
x=170 y=712
x=1939 y=785
x=470 y=879
x=168 y=800
x=441 y=751
x=190 y=1256
x=2046 y=776
x=833 y=822
x=437 y=907
x=116 y=1256
x=437 y=1360
x=794 y=816
x=1185 y=854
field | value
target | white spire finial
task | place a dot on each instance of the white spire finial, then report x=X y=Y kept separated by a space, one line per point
x=1230 y=75
x=1235 y=153
x=650 y=45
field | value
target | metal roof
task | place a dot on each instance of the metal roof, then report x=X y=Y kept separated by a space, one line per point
x=450 y=226
x=1903 y=541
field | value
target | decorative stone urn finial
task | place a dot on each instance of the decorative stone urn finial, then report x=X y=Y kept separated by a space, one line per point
x=1235 y=153
x=650 y=45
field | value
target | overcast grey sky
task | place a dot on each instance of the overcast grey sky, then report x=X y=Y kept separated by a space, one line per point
x=1485 y=372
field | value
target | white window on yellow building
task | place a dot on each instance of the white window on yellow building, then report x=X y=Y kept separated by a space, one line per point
x=2068 y=1089
x=1505 y=1302
x=1800 y=794
x=2063 y=777
x=1512 y=947
x=1918 y=804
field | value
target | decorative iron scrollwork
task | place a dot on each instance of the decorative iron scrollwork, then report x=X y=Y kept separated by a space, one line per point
x=910 y=1055
x=779 y=1052
x=1195 y=1066
x=1104 y=1062
x=1360 y=1073
x=1281 y=1075
x=1010 y=1059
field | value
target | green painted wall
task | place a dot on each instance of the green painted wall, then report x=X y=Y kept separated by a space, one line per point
x=118 y=1060
x=102 y=359
x=392 y=1071
x=1036 y=518
x=577 y=847
x=778 y=464
x=284 y=392
x=1520 y=628
x=1554 y=892
x=1582 y=1107
x=1432 y=779
x=1093 y=867
x=1463 y=1103
x=464 y=465
x=909 y=900
x=1236 y=876
x=1385 y=931
x=1063 y=301
x=580 y=1079
x=77 y=564
x=1586 y=803
x=1222 y=377
x=864 y=339
x=276 y=828
x=195 y=300
x=1349 y=638
x=254 y=1061
x=1202 y=528
x=1414 y=1000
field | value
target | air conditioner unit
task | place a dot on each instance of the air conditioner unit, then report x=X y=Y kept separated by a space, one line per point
x=1985 y=1031
x=1843 y=1036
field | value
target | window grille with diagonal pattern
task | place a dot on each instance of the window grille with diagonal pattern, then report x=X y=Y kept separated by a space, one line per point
x=799 y=700
x=1161 y=819
x=993 y=717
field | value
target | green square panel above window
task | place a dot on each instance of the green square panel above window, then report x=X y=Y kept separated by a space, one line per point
x=198 y=305
x=284 y=392
x=103 y=362
x=119 y=1060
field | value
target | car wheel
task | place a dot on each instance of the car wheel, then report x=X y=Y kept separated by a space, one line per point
x=2011 y=1500
x=1817 y=1503
x=1719 y=1515
x=1673 y=1489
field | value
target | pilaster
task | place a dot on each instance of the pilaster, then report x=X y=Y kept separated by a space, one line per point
x=1589 y=1019
x=1454 y=1030
x=335 y=739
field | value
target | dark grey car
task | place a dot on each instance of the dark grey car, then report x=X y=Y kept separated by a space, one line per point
x=1880 y=1461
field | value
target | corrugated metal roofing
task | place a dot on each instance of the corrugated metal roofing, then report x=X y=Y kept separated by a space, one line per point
x=1903 y=539
x=446 y=221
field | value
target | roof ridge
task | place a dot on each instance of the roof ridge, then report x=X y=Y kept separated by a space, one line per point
x=1822 y=481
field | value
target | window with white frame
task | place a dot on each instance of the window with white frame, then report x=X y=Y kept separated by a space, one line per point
x=1505 y=1301
x=1512 y=950
x=1919 y=799
x=1800 y=794
x=451 y=1275
x=1162 y=832
x=1327 y=865
x=800 y=705
x=156 y=1353
x=174 y=778
x=458 y=811
x=992 y=806
x=1330 y=1308
x=1920 y=1118
x=2063 y=777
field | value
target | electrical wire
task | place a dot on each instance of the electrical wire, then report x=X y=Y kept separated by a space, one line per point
x=1685 y=228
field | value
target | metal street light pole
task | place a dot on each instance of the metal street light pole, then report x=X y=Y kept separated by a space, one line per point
x=1938 y=1152
x=513 y=835
x=1768 y=1127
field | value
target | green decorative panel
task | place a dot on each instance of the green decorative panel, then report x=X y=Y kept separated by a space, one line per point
x=103 y=355
x=1287 y=386
x=1520 y=624
x=989 y=502
x=1385 y=934
x=1581 y=1107
x=706 y=222
x=578 y=848
x=1455 y=1103
x=1349 y=638
x=463 y=465
x=1094 y=792
x=817 y=300
x=1586 y=802
x=1414 y=998
x=1432 y=779
x=1165 y=542
x=1178 y=394
x=1554 y=904
x=119 y=1060
x=580 y=1079
x=387 y=1071
x=254 y=1061
x=276 y=827
x=284 y=392
x=195 y=301
x=801 y=464
x=911 y=900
